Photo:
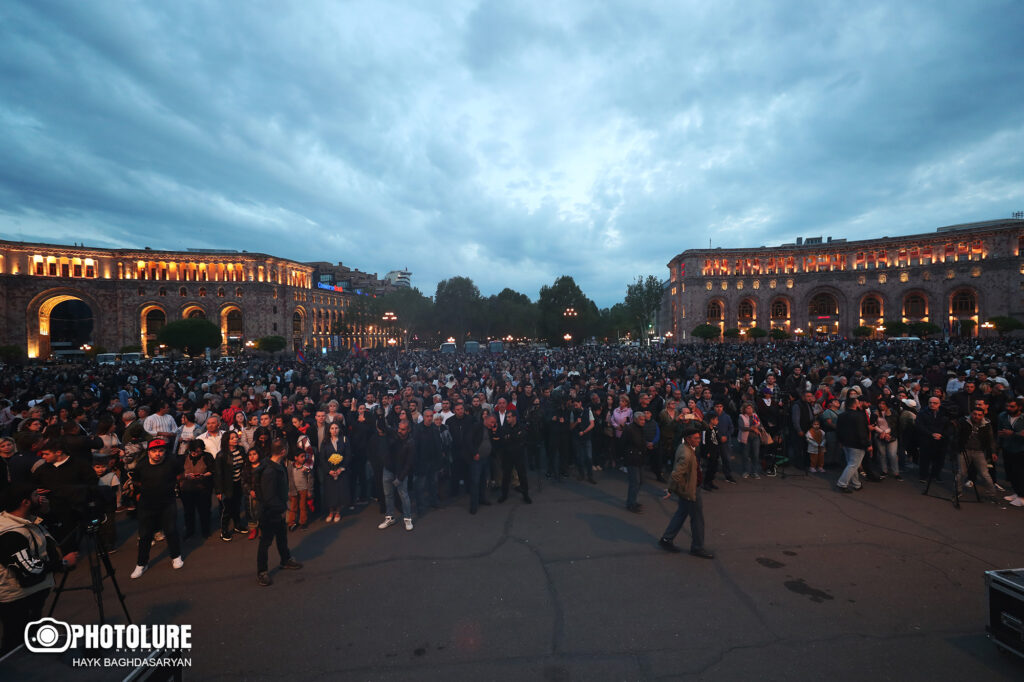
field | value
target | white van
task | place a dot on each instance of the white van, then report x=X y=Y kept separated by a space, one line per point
x=108 y=358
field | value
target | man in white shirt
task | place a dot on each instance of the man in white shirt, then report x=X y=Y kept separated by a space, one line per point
x=160 y=424
x=211 y=439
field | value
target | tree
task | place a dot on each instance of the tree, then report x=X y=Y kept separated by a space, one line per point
x=457 y=306
x=1005 y=324
x=707 y=331
x=510 y=313
x=731 y=333
x=562 y=308
x=863 y=331
x=12 y=354
x=271 y=344
x=757 y=333
x=895 y=327
x=415 y=313
x=643 y=299
x=131 y=348
x=779 y=334
x=191 y=336
x=614 y=322
x=923 y=328
x=967 y=326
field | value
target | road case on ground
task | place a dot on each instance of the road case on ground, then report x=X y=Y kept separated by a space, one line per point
x=1006 y=609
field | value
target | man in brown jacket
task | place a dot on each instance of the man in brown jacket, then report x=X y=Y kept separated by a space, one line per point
x=683 y=484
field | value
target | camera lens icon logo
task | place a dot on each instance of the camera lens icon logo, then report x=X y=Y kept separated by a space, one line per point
x=47 y=636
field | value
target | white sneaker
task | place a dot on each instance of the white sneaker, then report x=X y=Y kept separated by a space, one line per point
x=387 y=522
x=408 y=524
x=1011 y=498
x=139 y=570
x=1019 y=502
x=177 y=562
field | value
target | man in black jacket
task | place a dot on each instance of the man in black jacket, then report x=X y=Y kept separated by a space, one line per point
x=398 y=464
x=273 y=498
x=854 y=437
x=155 y=478
x=513 y=436
x=932 y=426
x=64 y=482
x=637 y=447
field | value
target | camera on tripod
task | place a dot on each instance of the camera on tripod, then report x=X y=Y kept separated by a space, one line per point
x=99 y=502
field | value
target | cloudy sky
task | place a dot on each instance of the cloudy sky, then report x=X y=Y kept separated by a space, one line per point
x=512 y=142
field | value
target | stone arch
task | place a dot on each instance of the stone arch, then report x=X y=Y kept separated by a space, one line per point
x=715 y=311
x=780 y=312
x=38 y=317
x=915 y=306
x=963 y=303
x=152 y=317
x=298 y=328
x=232 y=326
x=191 y=310
x=746 y=311
x=825 y=308
x=871 y=308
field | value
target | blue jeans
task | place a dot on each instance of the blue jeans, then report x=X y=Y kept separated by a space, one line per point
x=584 y=456
x=752 y=454
x=887 y=454
x=695 y=510
x=390 y=485
x=850 y=477
x=633 y=474
x=477 y=482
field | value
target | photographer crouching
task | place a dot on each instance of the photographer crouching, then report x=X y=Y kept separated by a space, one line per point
x=28 y=558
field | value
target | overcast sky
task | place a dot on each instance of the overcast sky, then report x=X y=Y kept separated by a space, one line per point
x=510 y=142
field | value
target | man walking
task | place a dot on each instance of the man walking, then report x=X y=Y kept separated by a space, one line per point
x=155 y=479
x=273 y=496
x=855 y=439
x=683 y=483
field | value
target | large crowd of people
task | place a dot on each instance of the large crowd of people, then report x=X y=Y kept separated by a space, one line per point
x=407 y=432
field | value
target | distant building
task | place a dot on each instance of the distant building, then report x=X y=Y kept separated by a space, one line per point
x=956 y=278
x=122 y=297
x=400 y=278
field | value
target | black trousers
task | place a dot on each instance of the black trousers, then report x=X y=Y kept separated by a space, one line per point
x=517 y=461
x=196 y=503
x=151 y=520
x=15 y=615
x=272 y=529
x=932 y=456
x=231 y=510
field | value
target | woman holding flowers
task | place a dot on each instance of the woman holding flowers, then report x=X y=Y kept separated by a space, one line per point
x=334 y=456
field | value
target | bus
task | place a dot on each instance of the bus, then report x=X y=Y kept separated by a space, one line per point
x=131 y=357
x=496 y=347
x=472 y=347
x=108 y=358
x=448 y=348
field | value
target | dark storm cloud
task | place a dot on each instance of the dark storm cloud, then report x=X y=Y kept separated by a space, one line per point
x=510 y=142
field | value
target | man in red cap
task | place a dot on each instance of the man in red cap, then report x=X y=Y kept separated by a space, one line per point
x=155 y=478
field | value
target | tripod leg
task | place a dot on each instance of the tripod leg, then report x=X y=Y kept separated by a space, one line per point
x=57 y=592
x=105 y=558
x=97 y=583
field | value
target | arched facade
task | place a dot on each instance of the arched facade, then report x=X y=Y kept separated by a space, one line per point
x=152 y=317
x=37 y=317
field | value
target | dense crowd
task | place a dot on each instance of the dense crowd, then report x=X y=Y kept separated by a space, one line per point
x=408 y=432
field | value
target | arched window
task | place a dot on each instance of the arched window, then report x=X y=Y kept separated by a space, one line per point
x=202 y=292
x=780 y=309
x=297 y=323
x=162 y=291
x=142 y=291
x=183 y=291
x=746 y=309
x=823 y=305
x=964 y=303
x=871 y=307
x=196 y=314
x=238 y=292
x=914 y=306
x=220 y=292
x=714 y=311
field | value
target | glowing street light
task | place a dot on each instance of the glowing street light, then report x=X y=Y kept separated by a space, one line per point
x=567 y=337
x=569 y=312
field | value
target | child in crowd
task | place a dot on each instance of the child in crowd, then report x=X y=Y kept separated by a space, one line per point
x=108 y=478
x=816 y=447
x=300 y=490
x=250 y=480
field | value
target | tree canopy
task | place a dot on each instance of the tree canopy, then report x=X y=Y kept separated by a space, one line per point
x=191 y=336
x=643 y=298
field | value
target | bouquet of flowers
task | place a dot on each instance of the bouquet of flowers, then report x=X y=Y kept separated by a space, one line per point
x=335 y=459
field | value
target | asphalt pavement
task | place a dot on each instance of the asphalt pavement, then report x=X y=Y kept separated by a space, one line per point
x=806 y=584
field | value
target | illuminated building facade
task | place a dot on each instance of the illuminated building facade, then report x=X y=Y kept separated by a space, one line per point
x=130 y=294
x=956 y=278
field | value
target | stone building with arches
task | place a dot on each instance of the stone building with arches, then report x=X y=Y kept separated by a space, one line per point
x=131 y=293
x=956 y=278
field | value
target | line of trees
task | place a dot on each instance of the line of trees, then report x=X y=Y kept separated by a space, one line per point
x=458 y=310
